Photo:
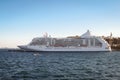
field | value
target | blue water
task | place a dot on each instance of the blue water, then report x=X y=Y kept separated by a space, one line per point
x=59 y=66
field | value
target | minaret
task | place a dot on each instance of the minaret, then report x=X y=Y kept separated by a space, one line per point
x=110 y=40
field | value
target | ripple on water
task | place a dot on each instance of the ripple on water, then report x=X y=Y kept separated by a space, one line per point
x=59 y=66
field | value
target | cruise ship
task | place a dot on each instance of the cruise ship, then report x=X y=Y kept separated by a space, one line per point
x=85 y=42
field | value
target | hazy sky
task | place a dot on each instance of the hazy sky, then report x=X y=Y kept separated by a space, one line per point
x=22 y=20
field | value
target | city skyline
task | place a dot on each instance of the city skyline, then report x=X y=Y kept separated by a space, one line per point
x=22 y=20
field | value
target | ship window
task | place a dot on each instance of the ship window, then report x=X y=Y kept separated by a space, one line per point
x=98 y=43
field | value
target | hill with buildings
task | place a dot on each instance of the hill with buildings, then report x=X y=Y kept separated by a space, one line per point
x=114 y=42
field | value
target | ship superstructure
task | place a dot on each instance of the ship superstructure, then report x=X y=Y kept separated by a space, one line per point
x=85 y=42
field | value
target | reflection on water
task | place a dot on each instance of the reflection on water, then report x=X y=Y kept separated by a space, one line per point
x=59 y=66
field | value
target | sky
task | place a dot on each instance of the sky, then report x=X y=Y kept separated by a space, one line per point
x=23 y=20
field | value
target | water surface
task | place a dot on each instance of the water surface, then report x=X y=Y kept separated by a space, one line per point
x=59 y=66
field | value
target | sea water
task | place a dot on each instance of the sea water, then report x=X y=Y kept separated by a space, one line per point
x=59 y=66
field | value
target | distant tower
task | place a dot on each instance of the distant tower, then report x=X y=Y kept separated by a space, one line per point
x=110 y=35
x=110 y=40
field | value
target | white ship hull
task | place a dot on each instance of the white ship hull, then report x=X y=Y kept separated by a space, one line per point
x=86 y=42
x=62 y=49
